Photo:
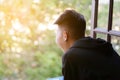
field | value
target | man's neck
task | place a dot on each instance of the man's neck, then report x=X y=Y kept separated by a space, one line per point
x=70 y=44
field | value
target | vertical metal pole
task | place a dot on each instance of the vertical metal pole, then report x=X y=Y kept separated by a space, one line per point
x=94 y=17
x=110 y=19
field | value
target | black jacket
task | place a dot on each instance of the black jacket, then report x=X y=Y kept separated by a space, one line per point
x=91 y=59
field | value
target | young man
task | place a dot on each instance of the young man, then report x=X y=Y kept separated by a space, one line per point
x=84 y=58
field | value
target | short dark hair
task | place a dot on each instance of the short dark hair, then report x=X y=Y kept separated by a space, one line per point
x=74 y=22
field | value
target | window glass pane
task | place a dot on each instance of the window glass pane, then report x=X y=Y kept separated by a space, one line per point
x=103 y=10
x=116 y=15
x=116 y=43
x=102 y=36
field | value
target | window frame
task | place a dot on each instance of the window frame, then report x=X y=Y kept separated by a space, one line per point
x=94 y=20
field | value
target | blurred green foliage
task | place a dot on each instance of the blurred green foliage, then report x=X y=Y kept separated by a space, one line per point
x=27 y=38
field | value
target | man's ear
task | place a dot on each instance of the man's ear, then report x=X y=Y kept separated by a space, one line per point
x=65 y=36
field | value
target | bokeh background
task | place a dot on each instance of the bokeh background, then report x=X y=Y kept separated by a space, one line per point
x=27 y=35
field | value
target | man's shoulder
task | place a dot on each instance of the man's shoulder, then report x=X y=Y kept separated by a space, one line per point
x=76 y=55
x=78 y=52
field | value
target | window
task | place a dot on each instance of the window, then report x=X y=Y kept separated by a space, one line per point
x=107 y=24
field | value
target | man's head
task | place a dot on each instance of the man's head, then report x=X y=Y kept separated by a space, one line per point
x=71 y=27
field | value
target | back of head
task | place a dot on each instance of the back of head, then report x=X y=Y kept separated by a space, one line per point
x=74 y=22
